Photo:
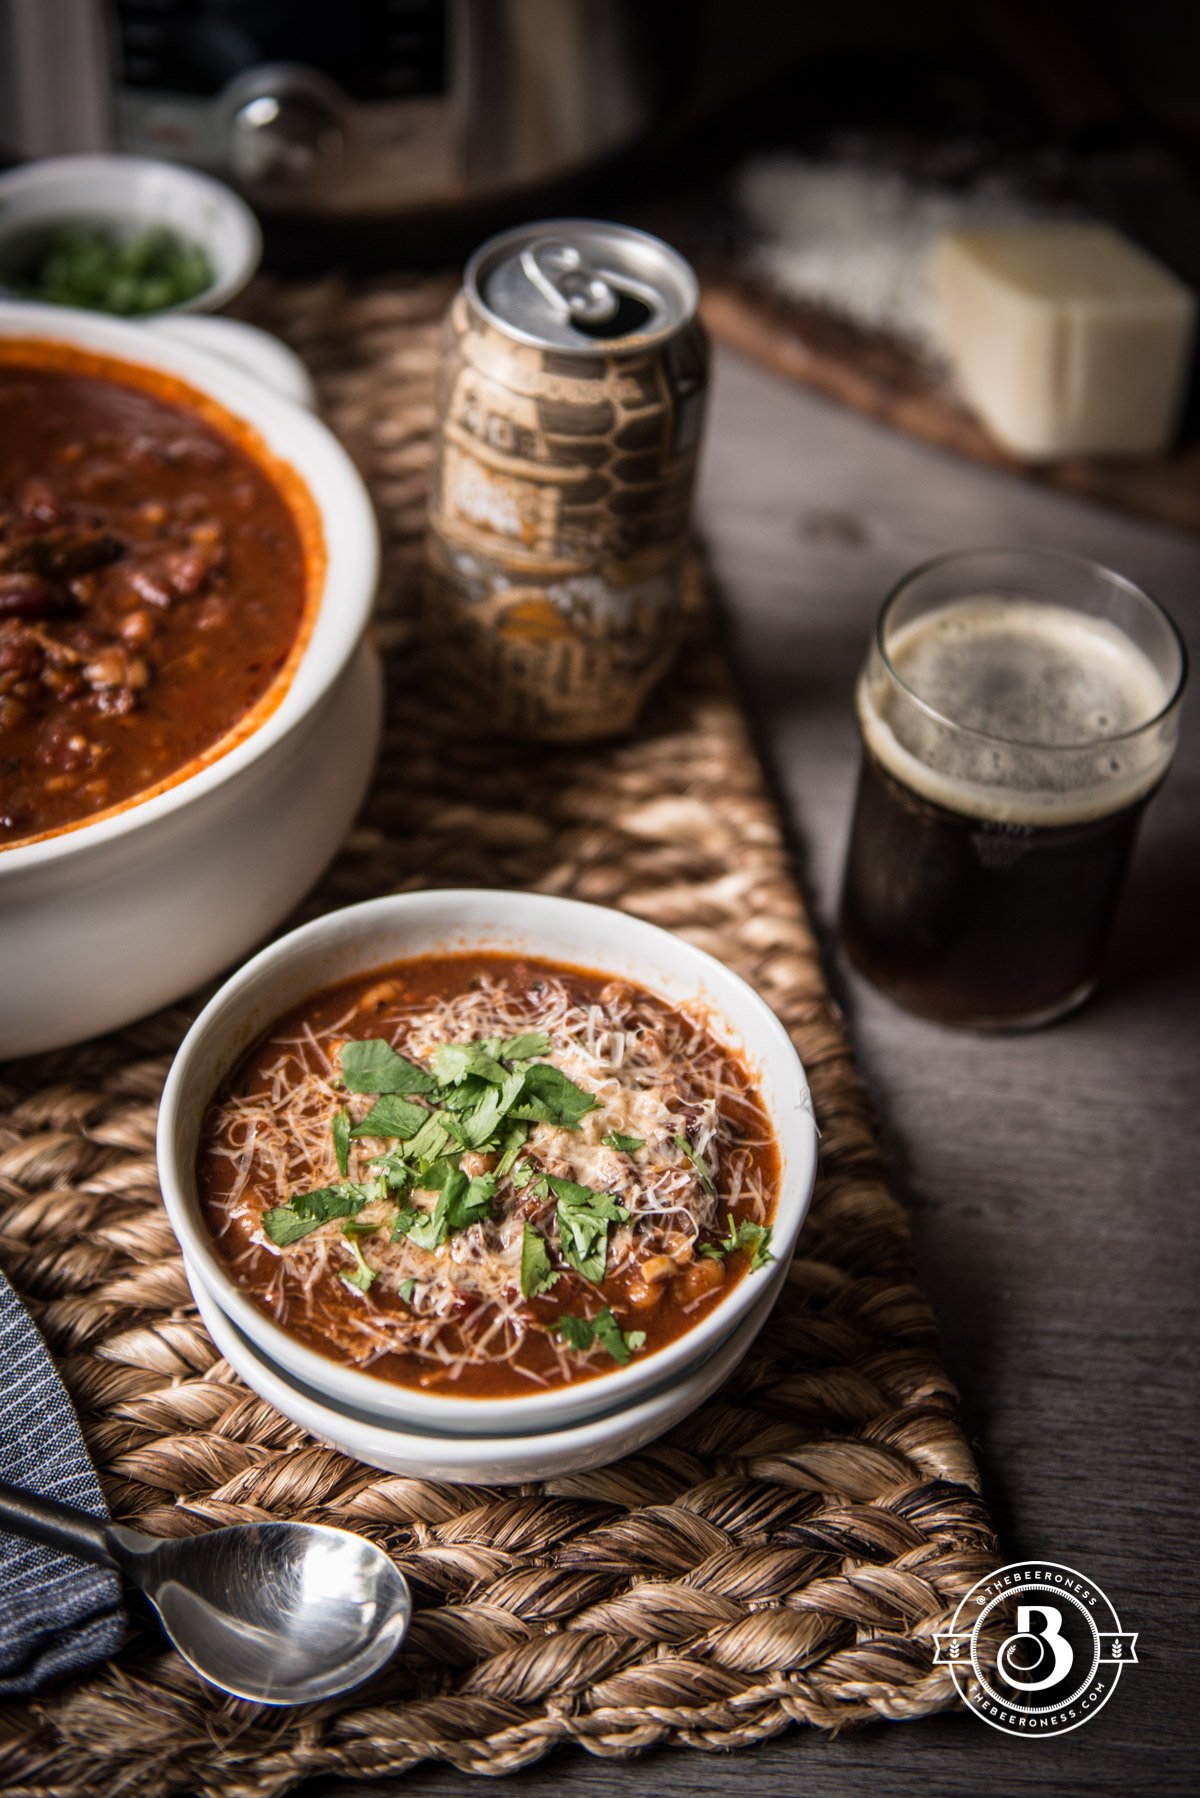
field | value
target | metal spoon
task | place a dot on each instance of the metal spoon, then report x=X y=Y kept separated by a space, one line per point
x=283 y=1613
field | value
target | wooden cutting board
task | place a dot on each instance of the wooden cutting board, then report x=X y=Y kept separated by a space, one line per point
x=879 y=376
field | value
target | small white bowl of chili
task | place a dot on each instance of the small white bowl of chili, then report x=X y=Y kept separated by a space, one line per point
x=189 y=705
x=131 y=236
x=603 y=1151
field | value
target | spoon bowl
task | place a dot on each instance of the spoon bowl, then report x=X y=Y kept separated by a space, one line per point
x=282 y=1613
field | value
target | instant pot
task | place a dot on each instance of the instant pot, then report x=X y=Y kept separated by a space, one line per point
x=363 y=109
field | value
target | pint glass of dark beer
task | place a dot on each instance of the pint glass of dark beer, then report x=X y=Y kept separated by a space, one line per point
x=1018 y=709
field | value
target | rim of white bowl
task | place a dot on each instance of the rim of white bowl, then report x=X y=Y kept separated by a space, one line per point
x=342 y=609
x=462 y=920
x=266 y=1378
x=62 y=183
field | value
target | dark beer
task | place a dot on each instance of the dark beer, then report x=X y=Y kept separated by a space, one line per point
x=1010 y=748
x=971 y=922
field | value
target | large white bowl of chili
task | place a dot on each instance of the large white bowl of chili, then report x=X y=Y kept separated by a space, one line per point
x=188 y=710
x=488 y=1162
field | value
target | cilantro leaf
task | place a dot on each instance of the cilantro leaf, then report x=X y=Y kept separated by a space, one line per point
x=363 y=1274
x=583 y=1218
x=392 y=1116
x=283 y=1226
x=548 y=1097
x=434 y=1175
x=537 y=1275
x=406 y=1290
x=405 y=1218
x=523 y=1175
x=524 y=1048
x=576 y=1332
x=467 y=1204
x=697 y=1161
x=432 y=1139
x=601 y=1203
x=480 y=1126
x=340 y=1129
x=306 y=1211
x=579 y=1333
x=628 y=1145
x=397 y=1170
x=460 y=1203
x=751 y=1238
x=452 y=1062
x=513 y=1138
x=373 y=1066
x=619 y=1343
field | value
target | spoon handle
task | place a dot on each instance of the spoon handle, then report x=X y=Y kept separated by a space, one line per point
x=38 y=1519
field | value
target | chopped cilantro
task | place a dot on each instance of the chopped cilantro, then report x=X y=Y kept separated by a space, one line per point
x=341 y=1141
x=548 y=1097
x=697 y=1161
x=452 y=1062
x=627 y=1145
x=282 y=1225
x=579 y=1333
x=469 y=1206
x=374 y=1067
x=363 y=1273
x=406 y=1290
x=523 y=1174
x=460 y=1203
x=392 y=1116
x=619 y=1343
x=537 y=1275
x=405 y=1218
x=524 y=1048
x=512 y=1140
x=306 y=1211
x=752 y=1239
x=432 y=1139
x=576 y=1332
x=583 y=1220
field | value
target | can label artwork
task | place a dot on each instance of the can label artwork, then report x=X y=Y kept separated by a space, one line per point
x=559 y=512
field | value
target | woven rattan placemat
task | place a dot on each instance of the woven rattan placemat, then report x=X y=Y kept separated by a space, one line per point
x=783 y=1556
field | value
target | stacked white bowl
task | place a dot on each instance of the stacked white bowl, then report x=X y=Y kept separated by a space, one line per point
x=487 y=1441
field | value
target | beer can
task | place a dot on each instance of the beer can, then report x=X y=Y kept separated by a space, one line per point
x=570 y=407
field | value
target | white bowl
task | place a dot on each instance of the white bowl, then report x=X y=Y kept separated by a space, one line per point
x=363 y=937
x=130 y=194
x=475 y=1460
x=110 y=918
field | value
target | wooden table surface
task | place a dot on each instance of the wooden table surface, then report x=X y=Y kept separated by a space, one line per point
x=1052 y=1177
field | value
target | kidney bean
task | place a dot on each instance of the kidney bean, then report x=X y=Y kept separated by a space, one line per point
x=28 y=596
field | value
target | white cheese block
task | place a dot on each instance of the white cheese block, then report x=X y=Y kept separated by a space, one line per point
x=1068 y=340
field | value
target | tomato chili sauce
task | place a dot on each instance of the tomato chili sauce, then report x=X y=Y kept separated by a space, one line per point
x=158 y=574
x=574 y=1247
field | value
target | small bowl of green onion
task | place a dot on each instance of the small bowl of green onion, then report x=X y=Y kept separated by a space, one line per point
x=126 y=235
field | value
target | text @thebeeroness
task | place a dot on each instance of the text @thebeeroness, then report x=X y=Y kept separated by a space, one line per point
x=1036 y=1649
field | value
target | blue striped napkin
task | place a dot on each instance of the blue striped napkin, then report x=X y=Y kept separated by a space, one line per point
x=58 y=1616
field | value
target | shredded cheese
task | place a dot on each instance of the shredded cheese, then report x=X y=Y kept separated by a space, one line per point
x=656 y=1074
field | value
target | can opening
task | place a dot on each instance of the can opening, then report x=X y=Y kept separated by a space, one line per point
x=631 y=314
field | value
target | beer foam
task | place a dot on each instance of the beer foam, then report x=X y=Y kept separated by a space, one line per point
x=1044 y=699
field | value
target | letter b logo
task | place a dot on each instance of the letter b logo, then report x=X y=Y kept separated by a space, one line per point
x=1023 y=1666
